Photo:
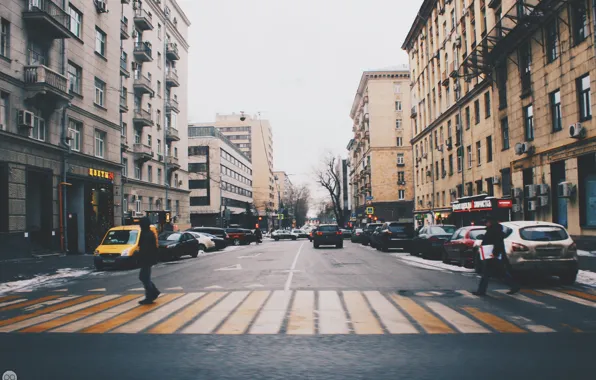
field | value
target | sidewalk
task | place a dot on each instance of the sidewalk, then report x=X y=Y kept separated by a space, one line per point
x=27 y=268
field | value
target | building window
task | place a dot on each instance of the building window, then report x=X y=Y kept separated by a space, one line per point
x=585 y=99
x=124 y=167
x=401 y=176
x=159 y=88
x=460 y=161
x=149 y=140
x=100 y=42
x=100 y=90
x=579 y=21
x=453 y=19
x=74 y=132
x=137 y=136
x=469 y=150
x=467 y=117
x=555 y=109
x=138 y=170
x=399 y=141
x=177 y=207
x=38 y=132
x=159 y=31
x=175 y=180
x=149 y=173
x=5 y=38
x=505 y=133
x=138 y=203
x=477 y=111
x=529 y=122
x=4 y=107
x=169 y=204
x=525 y=67
x=75 y=74
x=451 y=164
x=486 y=105
x=479 y=186
x=400 y=158
x=489 y=149
x=552 y=41
x=478 y=153
x=398 y=105
x=159 y=60
x=100 y=139
x=398 y=123
x=502 y=85
x=76 y=18
x=150 y=203
x=159 y=182
x=401 y=194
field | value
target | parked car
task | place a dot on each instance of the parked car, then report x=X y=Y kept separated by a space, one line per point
x=374 y=237
x=300 y=233
x=283 y=234
x=346 y=234
x=459 y=247
x=368 y=231
x=250 y=236
x=311 y=233
x=173 y=245
x=205 y=242
x=430 y=240
x=356 y=235
x=239 y=236
x=394 y=235
x=119 y=247
x=328 y=234
x=220 y=243
x=538 y=248
x=216 y=231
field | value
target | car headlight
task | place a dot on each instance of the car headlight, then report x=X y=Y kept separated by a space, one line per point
x=126 y=252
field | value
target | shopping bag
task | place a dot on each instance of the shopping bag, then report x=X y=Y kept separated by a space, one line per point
x=486 y=252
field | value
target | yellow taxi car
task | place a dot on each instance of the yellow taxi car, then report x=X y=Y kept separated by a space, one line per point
x=120 y=247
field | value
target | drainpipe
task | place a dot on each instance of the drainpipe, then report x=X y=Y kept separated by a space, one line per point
x=65 y=154
x=122 y=179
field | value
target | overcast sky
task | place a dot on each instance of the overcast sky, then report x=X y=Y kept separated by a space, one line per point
x=297 y=62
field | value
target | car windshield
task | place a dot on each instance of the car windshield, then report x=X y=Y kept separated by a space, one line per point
x=372 y=227
x=121 y=237
x=169 y=236
x=543 y=233
x=328 y=228
x=442 y=230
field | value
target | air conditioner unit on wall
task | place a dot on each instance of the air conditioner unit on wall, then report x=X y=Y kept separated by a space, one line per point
x=543 y=189
x=530 y=191
x=496 y=180
x=25 y=119
x=566 y=190
x=516 y=192
x=532 y=205
x=516 y=208
x=543 y=200
x=577 y=131
x=523 y=148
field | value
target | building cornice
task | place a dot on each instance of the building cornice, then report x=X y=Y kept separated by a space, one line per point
x=421 y=20
x=448 y=113
x=126 y=181
x=93 y=116
x=372 y=74
x=11 y=79
x=169 y=24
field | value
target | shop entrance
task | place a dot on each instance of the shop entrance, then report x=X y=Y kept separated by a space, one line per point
x=39 y=212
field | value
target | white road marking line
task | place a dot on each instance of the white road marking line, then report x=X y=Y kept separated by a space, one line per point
x=97 y=290
x=98 y=318
x=467 y=294
x=302 y=315
x=155 y=316
x=229 y=267
x=254 y=286
x=524 y=298
x=60 y=290
x=332 y=318
x=568 y=297
x=137 y=290
x=55 y=314
x=528 y=324
x=363 y=320
x=175 y=288
x=48 y=303
x=291 y=275
x=214 y=287
x=250 y=256
x=457 y=320
x=395 y=322
x=12 y=302
x=271 y=317
x=209 y=321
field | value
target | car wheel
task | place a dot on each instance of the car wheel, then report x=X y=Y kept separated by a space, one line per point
x=568 y=278
x=315 y=245
x=276 y=239
x=236 y=242
x=293 y=237
x=385 y=248
x=99 y=267
x=364 y=243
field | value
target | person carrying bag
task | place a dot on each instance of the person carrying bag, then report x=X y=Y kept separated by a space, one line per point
x=494 y=258
x=147 y=258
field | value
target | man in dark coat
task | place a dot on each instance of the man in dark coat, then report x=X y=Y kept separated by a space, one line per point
x=498 y=265
x=147 y=258
x=258 y=234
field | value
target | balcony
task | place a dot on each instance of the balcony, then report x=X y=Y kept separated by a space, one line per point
x=142 y=152
x=143 y=19
x=172 y=78
x=444 y=78
x=123 y=142
x=123 y=102
x=172 y=51
x=48 y=86
x=142 y=52
x=142 y=85
x=124 y=66
x=172 y=105
x=124 y=29
x=172 y=134
x=452 y=70
x=142 y=118
x=47 y=19
x=173 y=163
x=413 y=112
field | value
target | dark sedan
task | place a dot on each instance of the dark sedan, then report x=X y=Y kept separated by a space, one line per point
x=216 y=231
x=430 y=240
x=346 y=234
x=173 y=245
x=368 y=231
x=356 y=235
x=328 y=234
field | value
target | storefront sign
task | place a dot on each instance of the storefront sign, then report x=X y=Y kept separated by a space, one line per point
x=484 y=204
x=505 y=203
x=481 y=205
x=464 y=206
x=101 y=174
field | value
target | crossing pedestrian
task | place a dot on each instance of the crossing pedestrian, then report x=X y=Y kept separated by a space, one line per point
x=147 y=258
x=498 y=265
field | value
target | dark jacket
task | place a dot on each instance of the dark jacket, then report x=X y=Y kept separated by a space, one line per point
x=147 y=245
x=495 y=236
x=258 y=234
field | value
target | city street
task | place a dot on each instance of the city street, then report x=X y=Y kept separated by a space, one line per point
x=284 y=310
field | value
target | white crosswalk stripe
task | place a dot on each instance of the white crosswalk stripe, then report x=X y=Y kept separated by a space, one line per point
x=393 y=320
x=457 y=320
x=332 y=318
x=272 y=315
x=210 y=320
x=568 y=297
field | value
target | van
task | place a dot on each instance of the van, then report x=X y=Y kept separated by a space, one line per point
x=120 y=247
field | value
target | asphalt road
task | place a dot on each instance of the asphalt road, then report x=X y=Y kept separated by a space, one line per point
x=283 y=310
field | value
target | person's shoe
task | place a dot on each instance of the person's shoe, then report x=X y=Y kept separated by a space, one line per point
x=513 y=291
x=146 y=301
x=478 y=294
x=155 y=295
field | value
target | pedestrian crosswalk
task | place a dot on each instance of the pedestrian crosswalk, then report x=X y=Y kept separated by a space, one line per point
x=302 y=312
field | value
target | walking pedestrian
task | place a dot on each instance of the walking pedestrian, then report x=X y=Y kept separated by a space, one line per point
x=498 y=265
x=147 y=258
x=258 y=234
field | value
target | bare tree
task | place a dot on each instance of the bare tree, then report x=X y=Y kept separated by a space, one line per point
x=328 y=177
x=297 y=201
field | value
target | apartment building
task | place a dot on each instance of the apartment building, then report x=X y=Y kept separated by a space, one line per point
x=380 y=154
x=283 y=188
x=459 y=172
x=254 y=137
x=59 y=126
x=220 y=180
x=153 y=106
x=541 y=55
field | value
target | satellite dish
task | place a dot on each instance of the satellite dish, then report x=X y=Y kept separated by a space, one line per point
x=519 y=148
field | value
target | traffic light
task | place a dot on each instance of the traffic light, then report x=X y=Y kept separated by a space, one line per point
x=260 y=218
x=376 y=218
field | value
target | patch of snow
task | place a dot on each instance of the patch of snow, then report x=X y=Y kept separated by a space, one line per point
x=431 y=264
x=585 y=253
x=43 y=280
x=585 y=277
